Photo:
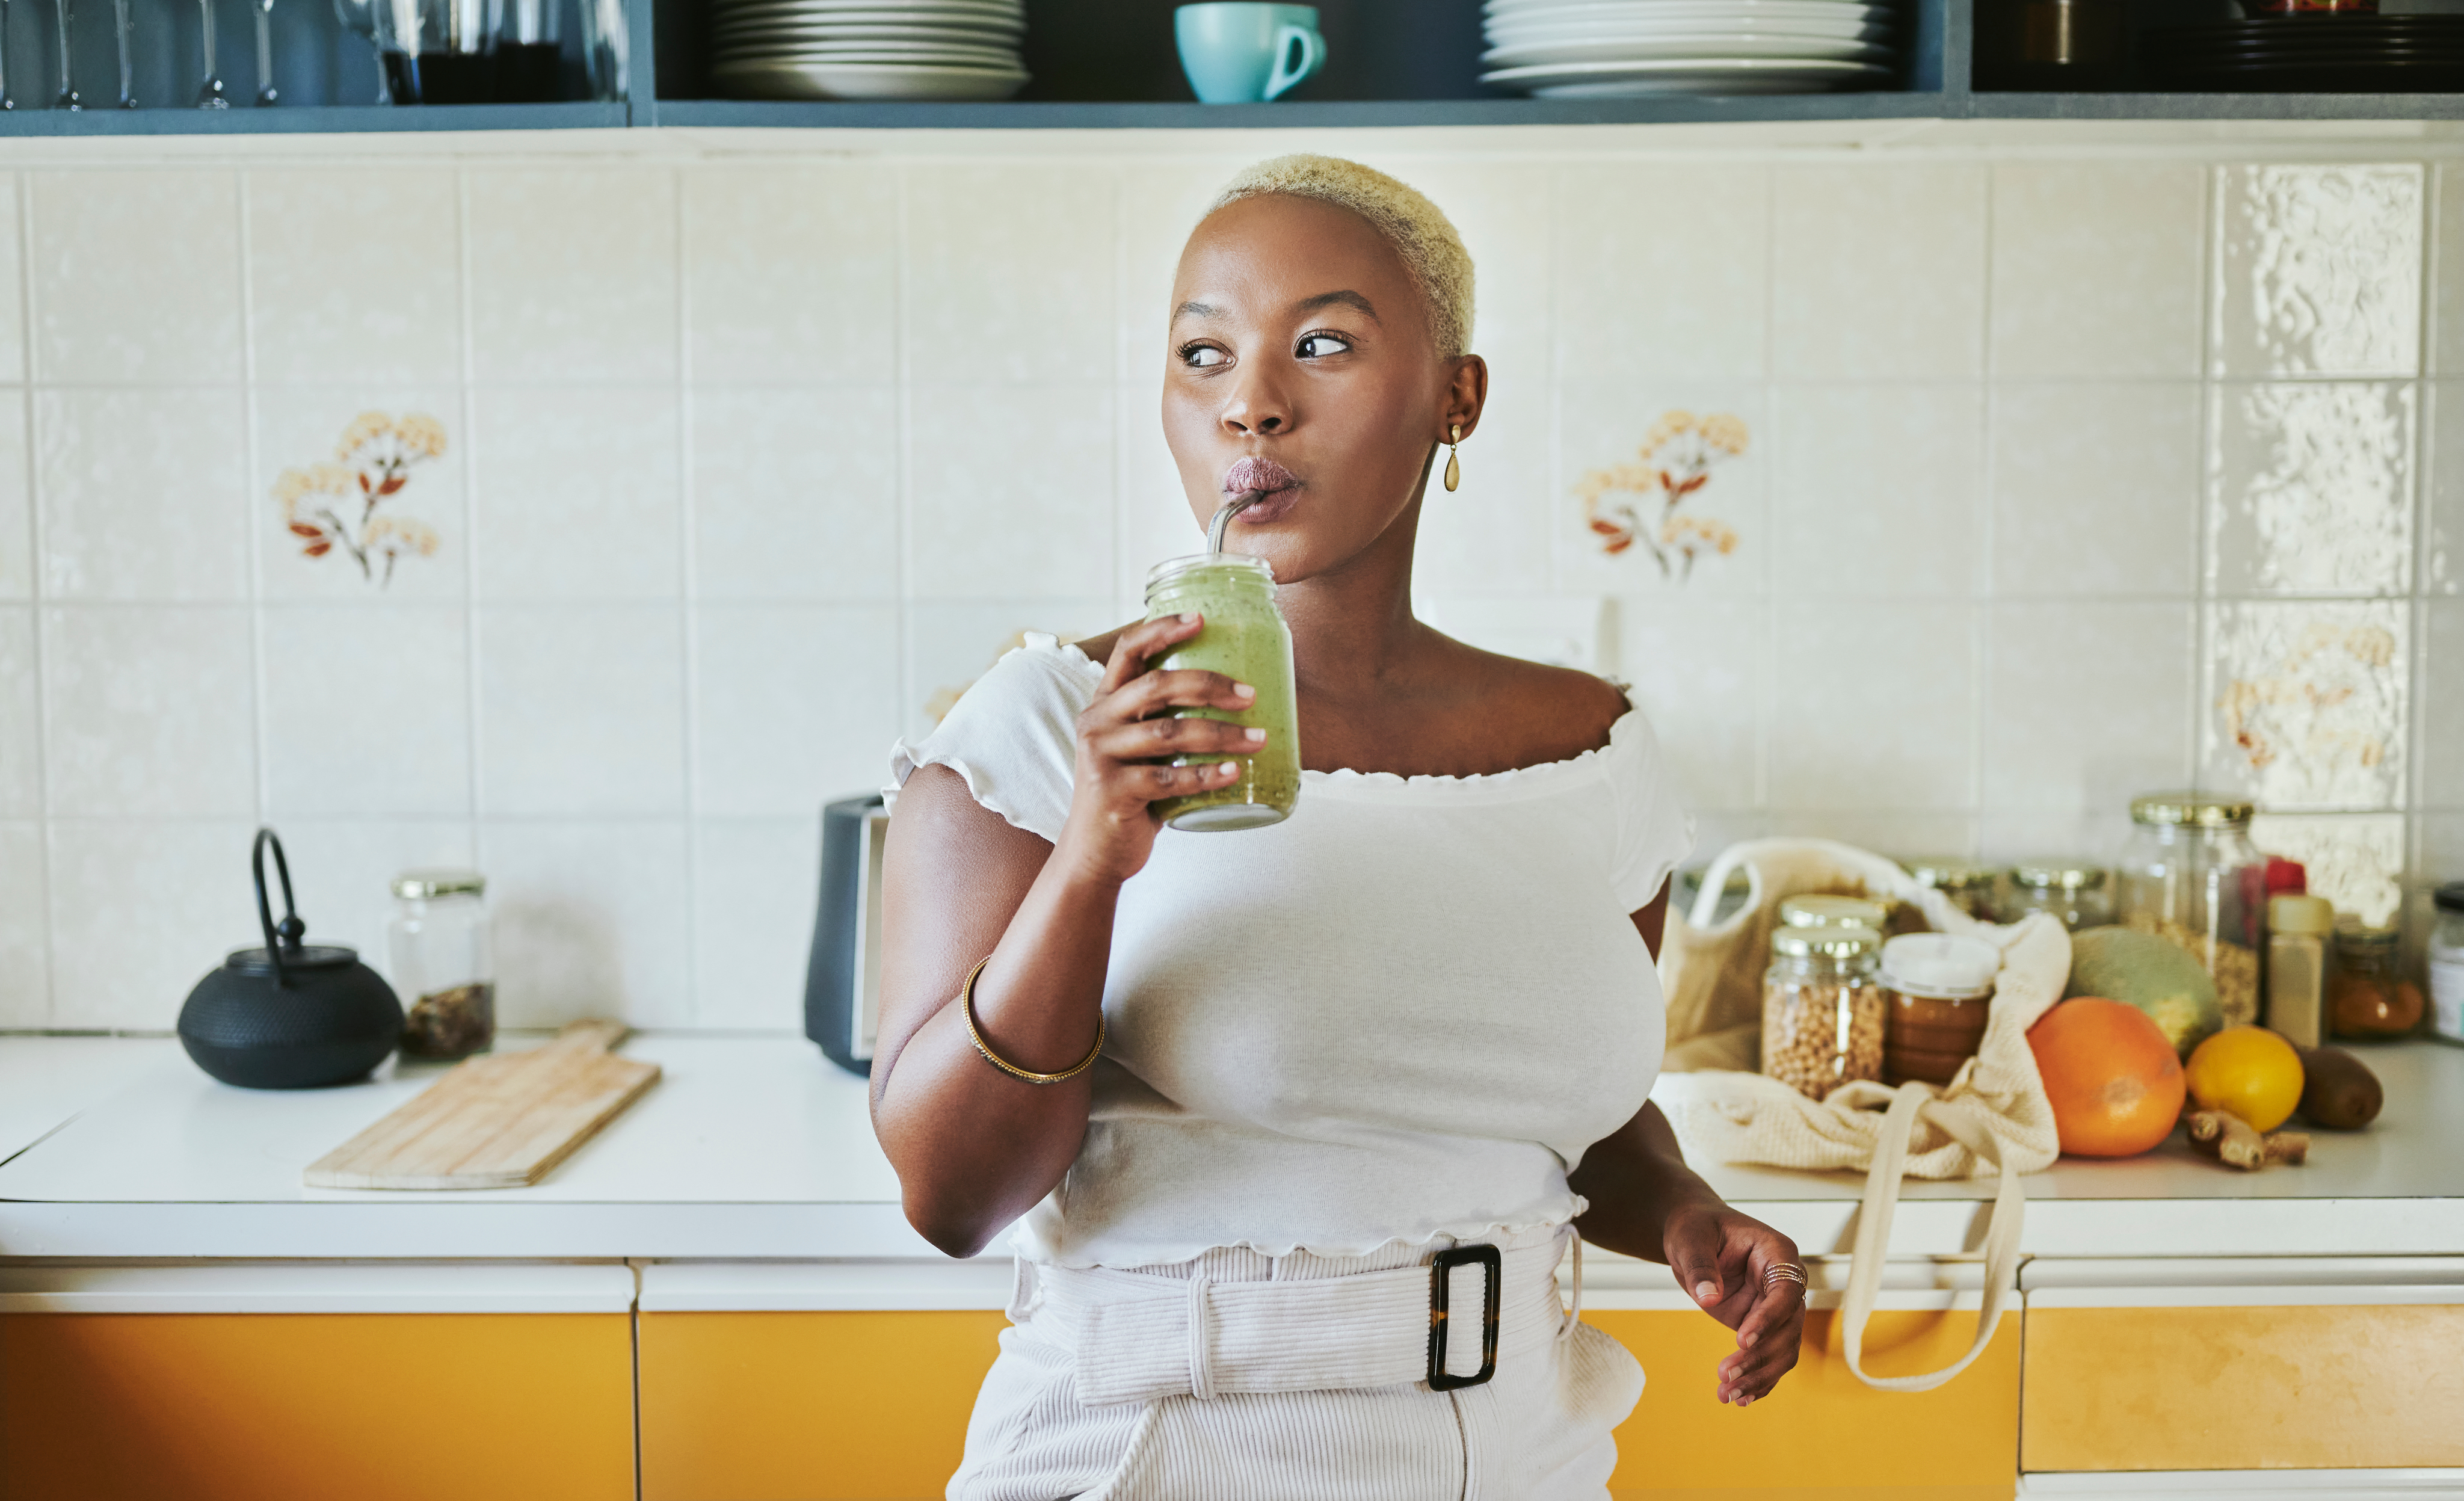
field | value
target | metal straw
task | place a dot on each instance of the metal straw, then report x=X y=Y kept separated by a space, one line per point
x=1223 y=517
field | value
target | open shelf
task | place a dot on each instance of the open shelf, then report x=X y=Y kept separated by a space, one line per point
x=1098 y=65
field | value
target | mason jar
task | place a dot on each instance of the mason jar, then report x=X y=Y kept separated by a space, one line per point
x=2190 y=875
x=1822 y=1008
x=444 y=964
x=1245 y=639
x=2079 y=896
x=1970 y=886
x=2368 y=999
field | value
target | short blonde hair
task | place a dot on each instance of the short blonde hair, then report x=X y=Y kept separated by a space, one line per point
x=1432 y=253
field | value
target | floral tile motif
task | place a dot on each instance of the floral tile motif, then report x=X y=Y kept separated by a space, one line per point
x=2354 y=860
x=335 y=504
x=1639 y=502
x=2318 y=270
x=2307 y=702
x=2310 y=489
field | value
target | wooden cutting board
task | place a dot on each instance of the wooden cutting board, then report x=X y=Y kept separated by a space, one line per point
x=498 y=1121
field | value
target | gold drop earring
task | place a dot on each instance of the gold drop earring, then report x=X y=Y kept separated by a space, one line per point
x=1454 y=464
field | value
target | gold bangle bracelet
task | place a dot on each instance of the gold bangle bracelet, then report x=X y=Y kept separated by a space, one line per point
x=967 y=1009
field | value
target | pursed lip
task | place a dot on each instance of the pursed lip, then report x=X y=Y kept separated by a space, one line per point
x=1261 y=474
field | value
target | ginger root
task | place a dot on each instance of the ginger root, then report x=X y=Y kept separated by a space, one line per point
x=2229 y=1139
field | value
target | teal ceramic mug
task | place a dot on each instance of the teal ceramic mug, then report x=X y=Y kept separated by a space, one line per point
x=1239 y=53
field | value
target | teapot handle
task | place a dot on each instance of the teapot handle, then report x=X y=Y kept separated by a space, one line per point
x=286 y=934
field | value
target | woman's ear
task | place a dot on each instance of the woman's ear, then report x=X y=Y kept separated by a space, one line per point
x=1466 y=395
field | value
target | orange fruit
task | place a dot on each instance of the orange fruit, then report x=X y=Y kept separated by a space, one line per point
x=2249 y=1071
x=2112 y=1074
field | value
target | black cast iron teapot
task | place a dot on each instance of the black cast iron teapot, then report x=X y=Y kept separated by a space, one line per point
x=288 y=1016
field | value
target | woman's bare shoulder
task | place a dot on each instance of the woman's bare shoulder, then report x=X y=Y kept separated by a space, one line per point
x=1549 y=712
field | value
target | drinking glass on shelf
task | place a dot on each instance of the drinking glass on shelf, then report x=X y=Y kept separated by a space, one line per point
x=266 y=93
x=362 y=18
x=66 y=12
x=210 y=92
x=120 y=34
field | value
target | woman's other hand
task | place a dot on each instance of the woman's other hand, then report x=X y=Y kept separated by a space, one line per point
x=1128 y=728
x=1720 y=1258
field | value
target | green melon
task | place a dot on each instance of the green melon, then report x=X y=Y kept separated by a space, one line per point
x=2160 y=978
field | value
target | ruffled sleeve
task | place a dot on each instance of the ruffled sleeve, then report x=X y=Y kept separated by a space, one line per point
x=1013 y=736
x=1654 y=833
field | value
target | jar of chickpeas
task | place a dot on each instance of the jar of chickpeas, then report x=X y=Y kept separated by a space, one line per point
x=1822 y=1008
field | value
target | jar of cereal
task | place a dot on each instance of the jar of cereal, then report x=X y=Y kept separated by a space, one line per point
x=1822 y=1008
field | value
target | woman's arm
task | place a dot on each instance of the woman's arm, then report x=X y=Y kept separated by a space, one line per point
x=976 y=1147
x=1645 y=1202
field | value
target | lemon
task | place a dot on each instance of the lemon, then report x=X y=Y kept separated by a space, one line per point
x=2248 y=1070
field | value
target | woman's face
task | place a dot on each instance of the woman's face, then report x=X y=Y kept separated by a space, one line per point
x=1299 y=362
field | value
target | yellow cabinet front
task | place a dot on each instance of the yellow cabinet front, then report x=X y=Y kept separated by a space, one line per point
x=316 y=1407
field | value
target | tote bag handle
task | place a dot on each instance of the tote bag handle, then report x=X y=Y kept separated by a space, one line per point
x=1873 y=1238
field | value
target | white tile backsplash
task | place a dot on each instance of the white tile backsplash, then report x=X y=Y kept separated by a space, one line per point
x=149 y=710
x=789 y=705
x=593 y=918
x=1663 y=271
x=757 y=885
x=2096 y=268
x=2061 y=477
x=25 y=927
x=1011 y=489
x=795 y=493
x=142 y=909
x=1878 y=273
x=21 y=720
x=2096 y=488
x=355 y=274
x=135 y=276
x=580 y=709
x=367 y=710
x=139 y=492
x=2318 y=270
x=1009 y=273
x=792 y=275
x=573 y=274
x=1875 y=490
x=579 y=494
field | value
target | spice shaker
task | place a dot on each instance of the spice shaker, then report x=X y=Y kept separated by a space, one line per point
x=2298 y=931
x=2447 y=964
x=1936 y=992
x=438 y=939
x=1822 y=1009
x=2365 y=1000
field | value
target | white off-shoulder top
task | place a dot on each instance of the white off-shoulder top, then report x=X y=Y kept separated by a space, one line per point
x=1404 y=1012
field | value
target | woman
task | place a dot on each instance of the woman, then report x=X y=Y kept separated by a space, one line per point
x=1283 y=1077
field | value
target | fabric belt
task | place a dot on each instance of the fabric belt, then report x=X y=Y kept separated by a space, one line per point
x=1141 y=1338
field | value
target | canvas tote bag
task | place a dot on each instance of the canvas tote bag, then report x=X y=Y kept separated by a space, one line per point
x=1993 y=1116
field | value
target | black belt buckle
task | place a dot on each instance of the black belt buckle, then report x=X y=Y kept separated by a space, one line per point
x=1440 y=1286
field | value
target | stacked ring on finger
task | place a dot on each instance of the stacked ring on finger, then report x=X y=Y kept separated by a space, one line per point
x=1785 y=1272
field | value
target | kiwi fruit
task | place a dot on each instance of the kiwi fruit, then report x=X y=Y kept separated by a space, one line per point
x=2338 y=1093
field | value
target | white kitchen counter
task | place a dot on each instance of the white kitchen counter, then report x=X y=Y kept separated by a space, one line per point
x=755 y=1147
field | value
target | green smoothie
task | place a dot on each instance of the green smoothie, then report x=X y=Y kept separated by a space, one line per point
x=1245 y=639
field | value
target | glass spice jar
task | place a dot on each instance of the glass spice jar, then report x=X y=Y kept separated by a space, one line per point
x=443 y=963
x=1822 y=1008
x=2365 y=1000
x=2190 y=875
x=1970 y=886
x=2077 y=894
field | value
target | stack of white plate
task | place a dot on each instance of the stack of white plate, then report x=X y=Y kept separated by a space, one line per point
x=1619 y=49
x=868 y=49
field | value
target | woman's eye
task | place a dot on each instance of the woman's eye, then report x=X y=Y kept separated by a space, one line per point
x=1317 y=346
x=1201 y=357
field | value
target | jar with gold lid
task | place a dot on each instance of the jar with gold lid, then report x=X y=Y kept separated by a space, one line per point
x=1823 y=911
x=1968 y=885
x=1822 y=1008
x=2077 y=894
x=2191 y=875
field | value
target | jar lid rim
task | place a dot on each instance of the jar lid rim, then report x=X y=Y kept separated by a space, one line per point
x=1846 y=942
x=1171 y=569
x=2070 y=875
x=1943 y=870
x=1830 y=910
x=2200 y=810
x=418 y=885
